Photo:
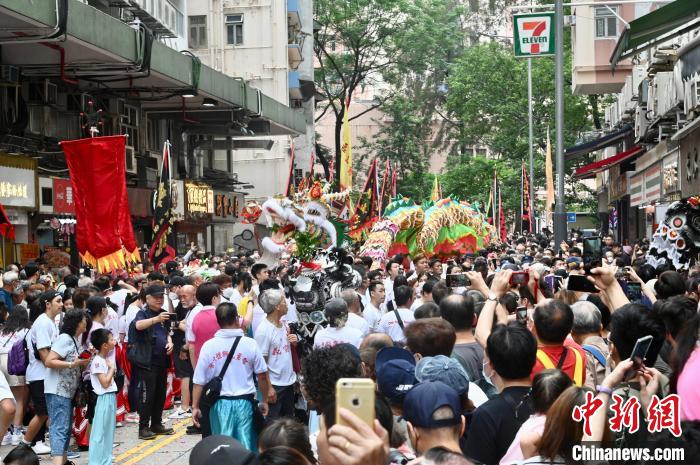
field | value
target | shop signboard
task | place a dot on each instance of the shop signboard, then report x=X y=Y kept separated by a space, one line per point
x=227 y=206
x=63 y=201
x=670 y=183
x=533 y=34
x=25 y=253
x=17 y=187
x=199 y=200
x=178 y=193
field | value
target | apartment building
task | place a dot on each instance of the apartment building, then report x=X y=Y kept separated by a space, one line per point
x=646 y=157
x=268 y=45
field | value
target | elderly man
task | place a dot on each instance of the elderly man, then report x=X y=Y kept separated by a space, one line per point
x=152 y=325
x=586 y=331
x=276 y=344
x=355 y=319
x=183 y=366
x=10 y=280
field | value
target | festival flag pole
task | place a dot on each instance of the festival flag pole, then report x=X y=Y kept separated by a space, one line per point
x=522 y=196
x=290 y=176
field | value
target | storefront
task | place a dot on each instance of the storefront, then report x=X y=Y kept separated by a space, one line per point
x=197 y=226
x=689 y=161
x=645 y=189
x=227 y=206
x=18 y=188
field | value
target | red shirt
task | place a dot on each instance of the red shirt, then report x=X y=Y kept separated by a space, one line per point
x=554 y=353
x=204 y=326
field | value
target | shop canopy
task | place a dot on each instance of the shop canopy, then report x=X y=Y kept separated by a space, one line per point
x=658 y=26
x=589 y=171
x=598 y=144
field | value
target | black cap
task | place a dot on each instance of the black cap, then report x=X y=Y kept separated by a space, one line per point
x=171 y=266
x=95 y=304
x=177 y=281
x=223 y=450
x=155 y=290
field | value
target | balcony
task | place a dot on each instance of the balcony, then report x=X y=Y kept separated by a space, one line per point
x=294 y=55
x=161 y=16
x=293 y=18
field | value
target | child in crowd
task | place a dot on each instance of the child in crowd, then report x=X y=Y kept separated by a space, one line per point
x=102 y=373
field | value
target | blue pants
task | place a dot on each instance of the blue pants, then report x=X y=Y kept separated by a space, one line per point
x=102 y=433
x=234 y=417
x=61 y=414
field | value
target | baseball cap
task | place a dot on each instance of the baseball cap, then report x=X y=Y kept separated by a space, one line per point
x=222 y=449
x=396 y=373
x=444 y=369
x=156 y=290
x=510 y=266
x=425 y=399
x=95 y=304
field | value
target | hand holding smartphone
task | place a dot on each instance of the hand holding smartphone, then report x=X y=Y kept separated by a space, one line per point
x=639 y=353
x=356 y=395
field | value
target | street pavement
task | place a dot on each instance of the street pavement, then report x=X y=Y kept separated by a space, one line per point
x=130 y=450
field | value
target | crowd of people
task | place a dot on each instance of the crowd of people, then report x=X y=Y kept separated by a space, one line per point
x=485 y=358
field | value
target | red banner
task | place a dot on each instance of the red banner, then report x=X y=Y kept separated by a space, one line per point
x=63 y=201
x=104 y=235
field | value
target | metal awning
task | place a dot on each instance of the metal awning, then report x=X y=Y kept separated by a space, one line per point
x=590 y=170
x=598 y=144
x=93 y=38
x=658 y=26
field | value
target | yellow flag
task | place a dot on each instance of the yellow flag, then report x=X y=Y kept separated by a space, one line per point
x=346 y=152
x=549 y=176
x=437 y=191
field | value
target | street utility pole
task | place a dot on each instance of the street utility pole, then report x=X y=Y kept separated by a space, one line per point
x=533 y=221
x=560 y=232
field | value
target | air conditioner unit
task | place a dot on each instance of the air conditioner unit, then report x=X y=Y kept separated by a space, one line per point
x=640 y=123
x=9 y=73
x=692 y=94
x=130 y=160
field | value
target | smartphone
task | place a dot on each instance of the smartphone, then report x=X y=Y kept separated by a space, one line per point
x=580 y=283
x=457 y=280
x=172 y=316
x=356 y=395
x=519 y=278
x=553 y=281
x=639 y=353
x=521 y=315
x=592 y=252
x=633 y=291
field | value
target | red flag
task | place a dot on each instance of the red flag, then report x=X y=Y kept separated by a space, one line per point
x=104 y=235
x=7 y=229
x=385 y=179
x=501 y=218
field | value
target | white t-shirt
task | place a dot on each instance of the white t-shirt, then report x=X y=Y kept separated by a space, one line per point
x=389 y=287
x=236 y=298
x=118 y=297
x=189 y=334
x=274 y=345
x=238 y=379
x=359 y=323
x=372 y=314
x=258 y=317
x=390 y=325
x=41 y=336
x=99 y=366
x=329 y=337
x=8 y=340
x=112 y=323
x=129 y=316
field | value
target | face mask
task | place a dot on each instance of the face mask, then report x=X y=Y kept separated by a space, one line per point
x=486 y=377
x=172 y=296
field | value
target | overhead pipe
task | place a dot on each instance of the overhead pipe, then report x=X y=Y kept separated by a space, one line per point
x=62 y=53
x=57 y=34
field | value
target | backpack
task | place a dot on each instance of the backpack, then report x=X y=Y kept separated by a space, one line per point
x=18 y=357
x=139 y=349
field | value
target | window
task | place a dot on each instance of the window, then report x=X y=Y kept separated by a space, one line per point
x=234 y=29
x=605 y=22
x=198 y=31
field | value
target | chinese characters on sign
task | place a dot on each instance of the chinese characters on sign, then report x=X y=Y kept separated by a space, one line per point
x=200 y=199
x=661 y=414
x=226 y=206
x=10 y=190
x=63 y=201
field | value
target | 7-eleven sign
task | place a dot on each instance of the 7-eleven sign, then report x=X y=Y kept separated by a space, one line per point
x=534 y=34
